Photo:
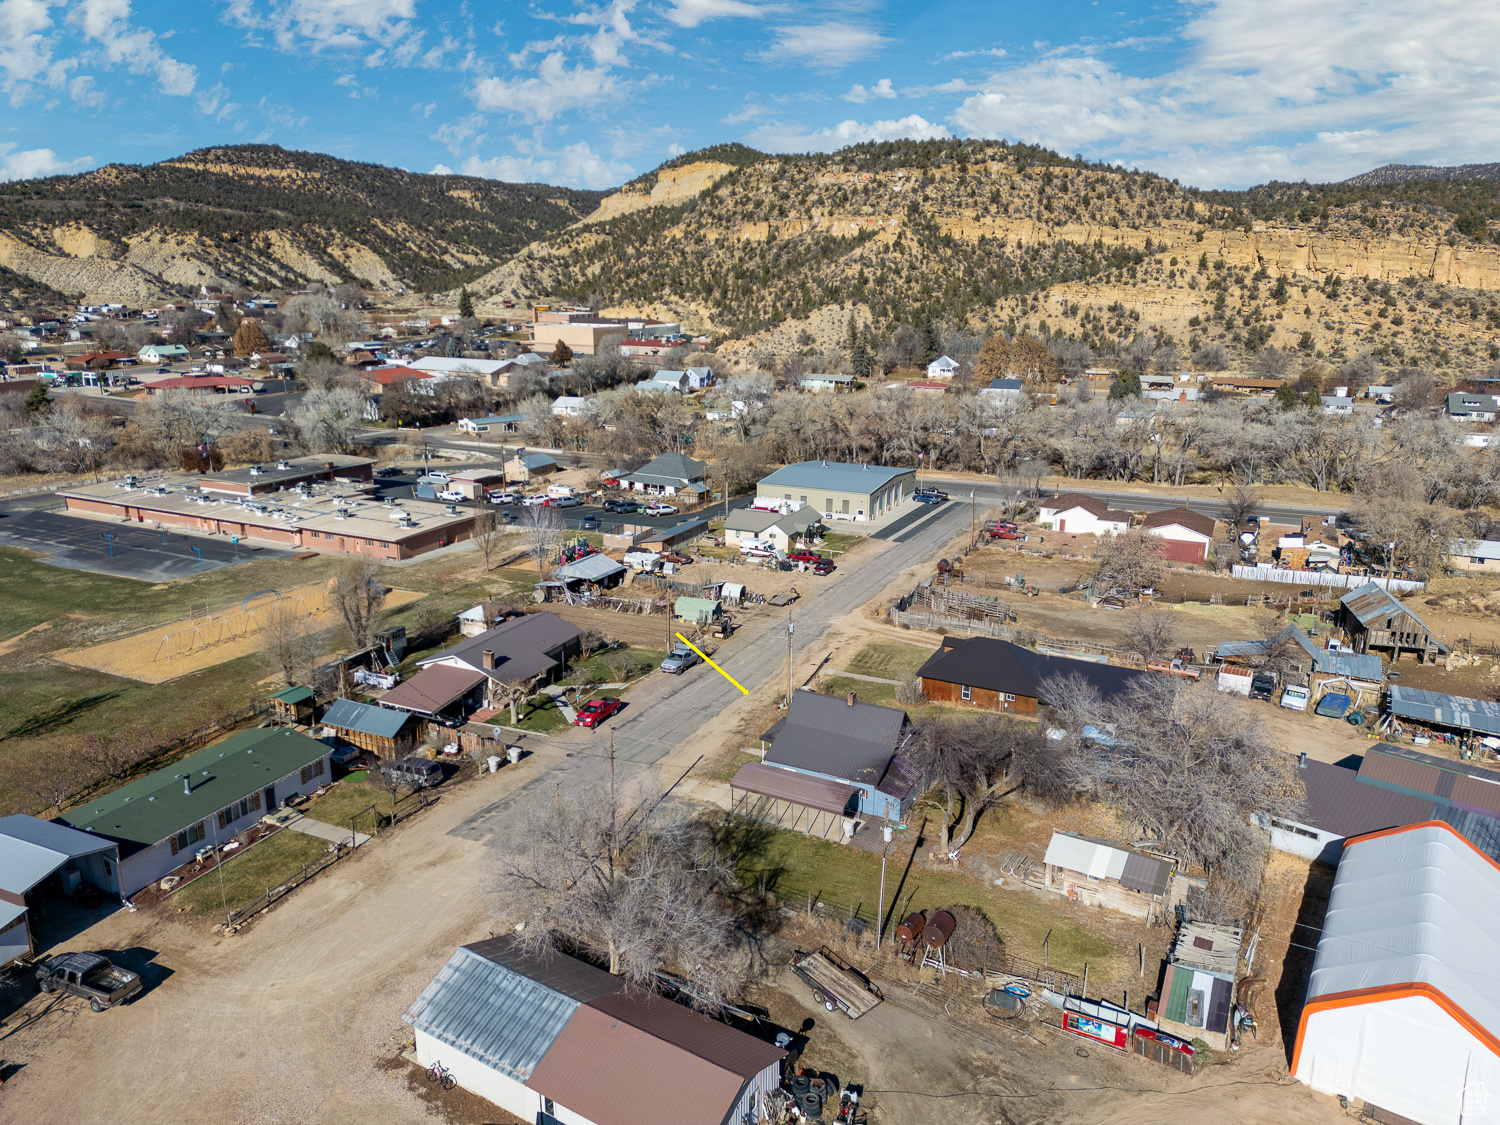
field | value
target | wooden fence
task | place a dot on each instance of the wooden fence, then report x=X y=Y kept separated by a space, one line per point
x=1323 y=578
x=273 y=894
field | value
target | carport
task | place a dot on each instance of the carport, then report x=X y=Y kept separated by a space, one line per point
x=786 y=799
x=32 y=851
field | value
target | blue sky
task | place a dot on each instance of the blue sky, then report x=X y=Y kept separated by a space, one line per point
x=1219 y=93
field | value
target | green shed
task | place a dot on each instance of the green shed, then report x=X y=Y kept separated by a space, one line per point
x=701 y=611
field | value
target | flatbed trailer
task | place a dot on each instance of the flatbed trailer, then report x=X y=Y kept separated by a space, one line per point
x=836 y=984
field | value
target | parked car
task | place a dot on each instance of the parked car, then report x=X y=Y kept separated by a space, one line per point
x=439 y=477
x=500 y=496
x=810 y=557
x=590 y=521
x=1263 y=685
x=345 y=754
x=387 y=471
x=595 y=711
x=1294 y=698
x=451 y=495
x=657 y=508
x=929 y=496
x=562 y=501
x=536 y=501
x=679 y=660
x=1008 y=533
x=824 y=567
x=89 y=975
x=623 y=506
x=419 y=773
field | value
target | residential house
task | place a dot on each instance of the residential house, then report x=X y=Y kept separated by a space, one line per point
x=665 y=380
x=1099 y=873
x=1005 y=389
x=40 y=860
x=1373 y=618
x=160 y=821
x=833 y=761
x=484 y=617
x=943 y=368
x=780 y=529
x=294 y=705
x=1189 y=535
x=1392 y=787
x=1083 y=515
x=827 y=382
x=671 y=474
x=443 y=694
x=1197 y=989
x=995 y=675
x=533 y=648
x=384 y=732
x=494 y=424
x=163 y=353
x=840 y=491
x=475 y=483
x=1474 y=554
x=525 y=466
x=1340 y=406
x=1402 y=1010
x=1471 y=408
x=557 y=1040
x=571 y=406
x=699 y=377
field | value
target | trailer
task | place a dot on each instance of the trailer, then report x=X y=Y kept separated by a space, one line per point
x=836 y=984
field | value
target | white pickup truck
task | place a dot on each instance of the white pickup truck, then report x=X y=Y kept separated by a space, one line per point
x=1294 y=698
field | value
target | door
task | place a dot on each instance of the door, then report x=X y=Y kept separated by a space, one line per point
x=1062 y=525
x=270 y=796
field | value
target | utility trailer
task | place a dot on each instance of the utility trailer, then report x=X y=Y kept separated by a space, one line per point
x=836 y=984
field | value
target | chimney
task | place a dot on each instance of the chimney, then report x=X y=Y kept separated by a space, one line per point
x=851 y=699
x=187 y=785
x=1302 y=760
x=489 y=660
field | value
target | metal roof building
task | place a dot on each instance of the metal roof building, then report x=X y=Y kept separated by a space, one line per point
x=841 y=491
x=1455 y=711
x=1099 y=859
x=31 y=852
x=562 y=1038
x=1403 y=1003
x=590 y=568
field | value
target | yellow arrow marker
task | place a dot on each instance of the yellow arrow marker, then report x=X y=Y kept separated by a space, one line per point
x=717 y=669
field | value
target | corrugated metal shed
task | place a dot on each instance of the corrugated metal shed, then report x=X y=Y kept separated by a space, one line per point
x=32 y=849
x=819 y=793
x=491 y=1014
x=590 y=568
x=1445 y=710
x=1241 y=648
x=1100 y=859
x=1371 y=603
x=695 y=609
x=349 y=714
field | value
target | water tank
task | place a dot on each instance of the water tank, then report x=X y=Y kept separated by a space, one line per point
x=912 y=927
x=939 y=929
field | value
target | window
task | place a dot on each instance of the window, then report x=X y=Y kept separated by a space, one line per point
x=803 y=499
x=1294 y=829
x=108 y=870
x=966 y=692
x=233 y=812
x=828 y=505
x=1008 y=697
x=369 y=542
x=187 y=837
x=846 y=508
x=312 y=770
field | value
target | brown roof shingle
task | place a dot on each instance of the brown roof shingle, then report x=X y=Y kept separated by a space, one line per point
x=1186 y=517
x=432 y=689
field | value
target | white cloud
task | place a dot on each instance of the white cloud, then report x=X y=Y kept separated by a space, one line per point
x=861 y=94
x=793 y=138
x=745 y=113
x=690 y=13
x=108 y=23
x=555 y=89
x=332 y=23
x=26 y=50
x=32 y=163
x=575 y=165
x=824 y=45
x=1282 y=90
x=996 y=52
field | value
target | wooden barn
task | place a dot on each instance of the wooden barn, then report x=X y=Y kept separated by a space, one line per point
x=382 y=731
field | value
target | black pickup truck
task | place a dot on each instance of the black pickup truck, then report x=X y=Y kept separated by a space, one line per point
x=90 y=975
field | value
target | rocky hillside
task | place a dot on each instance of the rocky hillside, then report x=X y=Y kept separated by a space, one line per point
x=778 y=251
x=1406 y=173
x=260 y=216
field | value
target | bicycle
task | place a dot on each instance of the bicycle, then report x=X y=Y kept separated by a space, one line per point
x=441 y=1075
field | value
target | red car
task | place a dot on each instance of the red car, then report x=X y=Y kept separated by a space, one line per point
x=812 y=558
x=595 y=711
x=1005 y=533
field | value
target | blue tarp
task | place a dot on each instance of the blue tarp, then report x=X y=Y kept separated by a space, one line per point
x=1332 y=705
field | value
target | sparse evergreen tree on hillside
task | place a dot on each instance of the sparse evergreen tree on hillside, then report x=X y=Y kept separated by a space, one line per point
x=465 y=304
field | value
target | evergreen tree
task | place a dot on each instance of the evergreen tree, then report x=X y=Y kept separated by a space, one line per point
x=562 y=355
x=1285 y=398
x=318 y=350
x=1313 y=399
x=853 y=334
x=465 y=303
x=931 y=342
x=451 y=348
x=37 y=400
x=1127 y=384
x=861 y=360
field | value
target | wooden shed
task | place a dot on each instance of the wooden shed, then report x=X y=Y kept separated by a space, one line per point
x=294 y=705
x=381 y=730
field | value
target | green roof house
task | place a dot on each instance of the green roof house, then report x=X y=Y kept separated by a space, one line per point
x=161 y=820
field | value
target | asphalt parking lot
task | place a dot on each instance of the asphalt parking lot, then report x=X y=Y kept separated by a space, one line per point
x=136 y=552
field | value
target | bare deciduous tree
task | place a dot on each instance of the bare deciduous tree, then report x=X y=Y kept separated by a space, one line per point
x=357 y=595
x=488 y=535
x=1240 y=503
x=1129 y=562
x=909 y=692
x=964 y=757
x=630 y=879
x=51 y=773
x=288 y=638
x=541 y=528
x=1151 y=634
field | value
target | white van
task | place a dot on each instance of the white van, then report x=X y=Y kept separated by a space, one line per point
x=762 y=548
x=561 y=490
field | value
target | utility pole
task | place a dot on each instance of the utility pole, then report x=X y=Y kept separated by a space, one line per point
x=789 y=630
x=973 y=519
x=885 y=847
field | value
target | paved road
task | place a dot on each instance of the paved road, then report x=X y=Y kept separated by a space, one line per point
x=665 y=712
x=989 y=494
x=137 y=552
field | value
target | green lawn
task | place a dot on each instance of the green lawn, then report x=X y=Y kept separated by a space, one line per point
x=882 y=694
x=840 y=541
x=594 y=669
x=267 y=864
x=795 y=866
x=350 y=797
x=890 y=660
x=538 y=714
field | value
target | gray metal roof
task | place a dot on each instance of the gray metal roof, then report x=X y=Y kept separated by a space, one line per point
x=670 y=469
x=491 y=1013
x=349 y=714
x=1371 y=603
x=835 y=476
x=1476 y=548
x=1242 y=648
x=590 y=568
x=521 y=647
x=824 y=734
x=1445 y=710
x=32 y=849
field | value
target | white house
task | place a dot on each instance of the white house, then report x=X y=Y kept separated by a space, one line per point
x=1403 y=1003
x=1338 y=405
x=827 y=382
x=699 y=377
x=562 y=1041
x=1004 y=389
x=161 y=821
x=163 y=353
x=1083 y=515
x=492 y=424
x=943 y=368
x=666 y=380
x=571 y=406
x=1189 y=535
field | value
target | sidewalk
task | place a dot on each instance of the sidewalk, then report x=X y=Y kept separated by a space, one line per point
x=330 y=832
